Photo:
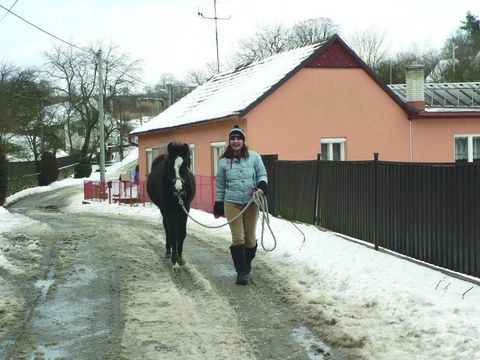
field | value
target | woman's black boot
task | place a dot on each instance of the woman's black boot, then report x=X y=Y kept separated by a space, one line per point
x=240 y=262
x=249 y=256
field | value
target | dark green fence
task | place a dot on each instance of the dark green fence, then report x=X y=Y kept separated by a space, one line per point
x=427 y=211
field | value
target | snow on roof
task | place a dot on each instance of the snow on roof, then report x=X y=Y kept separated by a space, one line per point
x=228 y=94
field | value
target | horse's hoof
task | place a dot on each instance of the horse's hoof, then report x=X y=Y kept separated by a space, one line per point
x=176 y=269
x=168 y=255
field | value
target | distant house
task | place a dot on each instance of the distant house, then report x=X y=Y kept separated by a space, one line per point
x=320 y=98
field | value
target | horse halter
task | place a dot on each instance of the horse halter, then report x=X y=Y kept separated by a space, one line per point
x=178 y=188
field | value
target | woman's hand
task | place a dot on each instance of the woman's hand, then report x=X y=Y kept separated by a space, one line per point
x=262 y=188
x=218 y=209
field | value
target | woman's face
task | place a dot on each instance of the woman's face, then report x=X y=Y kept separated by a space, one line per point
x=236 y=143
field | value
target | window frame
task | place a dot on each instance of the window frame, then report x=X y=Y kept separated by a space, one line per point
x=191 y=147
x=218 y=147
x=153 y=152
x=330 y=142
x=470 y=138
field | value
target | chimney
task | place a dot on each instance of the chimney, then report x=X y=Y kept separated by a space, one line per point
x=415 y=80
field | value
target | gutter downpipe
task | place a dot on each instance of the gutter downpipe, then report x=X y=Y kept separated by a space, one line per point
x=411 y=142
x=131 y=142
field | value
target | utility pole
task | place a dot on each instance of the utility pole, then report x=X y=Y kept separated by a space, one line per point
x=453 y=58
x=100 y=117
x=42 y=119
x=216 y=30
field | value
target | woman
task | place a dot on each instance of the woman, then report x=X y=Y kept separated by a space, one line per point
x=240 y=173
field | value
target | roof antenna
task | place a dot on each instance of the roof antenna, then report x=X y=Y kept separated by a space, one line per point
x=216 y=31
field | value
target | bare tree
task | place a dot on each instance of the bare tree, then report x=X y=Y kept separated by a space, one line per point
x=197 y=76
x=22 y=92
x=313 y=31
x=200 y=76
x=74 y=72
x=268 y=40
x=369 y=44
x=172 y=88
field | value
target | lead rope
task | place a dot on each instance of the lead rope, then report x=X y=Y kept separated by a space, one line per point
x=262 y=203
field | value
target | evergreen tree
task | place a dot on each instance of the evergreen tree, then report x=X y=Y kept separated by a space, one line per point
x=48 y=169
x=471 y=26
x=83 y=168
x=463 y=52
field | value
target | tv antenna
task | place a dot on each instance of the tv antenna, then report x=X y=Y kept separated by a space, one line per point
x=216 y=30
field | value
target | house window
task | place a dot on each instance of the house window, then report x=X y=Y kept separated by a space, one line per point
x=192 y=157
x=333 y=149
x=217 y=148
x=153 y=153
x=467 y=148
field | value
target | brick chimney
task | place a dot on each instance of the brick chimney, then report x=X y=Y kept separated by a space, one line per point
x=414 y=74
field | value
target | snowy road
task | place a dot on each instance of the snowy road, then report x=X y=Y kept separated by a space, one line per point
x=102 y=290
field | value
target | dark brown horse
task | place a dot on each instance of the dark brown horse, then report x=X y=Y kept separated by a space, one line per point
x=169 y=184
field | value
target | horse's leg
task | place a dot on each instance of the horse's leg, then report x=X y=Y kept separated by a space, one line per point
x=168 y=244
x=182 y=226
x=173 y=232
x=175 y=259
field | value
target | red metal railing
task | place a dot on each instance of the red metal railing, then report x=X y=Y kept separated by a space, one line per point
x=134 y=192
x=205 y=194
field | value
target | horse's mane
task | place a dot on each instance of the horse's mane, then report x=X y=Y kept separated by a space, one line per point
x=180 y=149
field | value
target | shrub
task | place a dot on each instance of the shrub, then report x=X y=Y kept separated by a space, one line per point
x=83 y=168
x=3 y=176
x=48 y=169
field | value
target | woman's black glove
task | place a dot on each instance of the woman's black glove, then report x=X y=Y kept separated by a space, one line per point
x=218 y=209
x=263 y=185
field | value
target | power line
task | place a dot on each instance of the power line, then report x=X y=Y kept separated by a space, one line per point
x=11 y=7
x=66 y=42
x=46 y=32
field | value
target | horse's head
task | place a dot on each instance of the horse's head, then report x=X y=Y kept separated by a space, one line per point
x=179 y=160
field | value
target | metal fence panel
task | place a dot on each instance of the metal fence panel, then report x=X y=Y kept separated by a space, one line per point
x=269 y=162
x=295 y=190
x=19 y=169
x=426 y=211
x=22 y=168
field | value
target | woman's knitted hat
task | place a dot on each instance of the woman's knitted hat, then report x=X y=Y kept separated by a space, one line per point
x=238 y=132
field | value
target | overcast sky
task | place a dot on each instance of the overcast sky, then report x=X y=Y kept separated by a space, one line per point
x=171 y=38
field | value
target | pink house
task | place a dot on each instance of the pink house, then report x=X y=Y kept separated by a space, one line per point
x=321 y=98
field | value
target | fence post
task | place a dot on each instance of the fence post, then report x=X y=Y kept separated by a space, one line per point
x=109 y=184
x=375 y=200
x=316 y=219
